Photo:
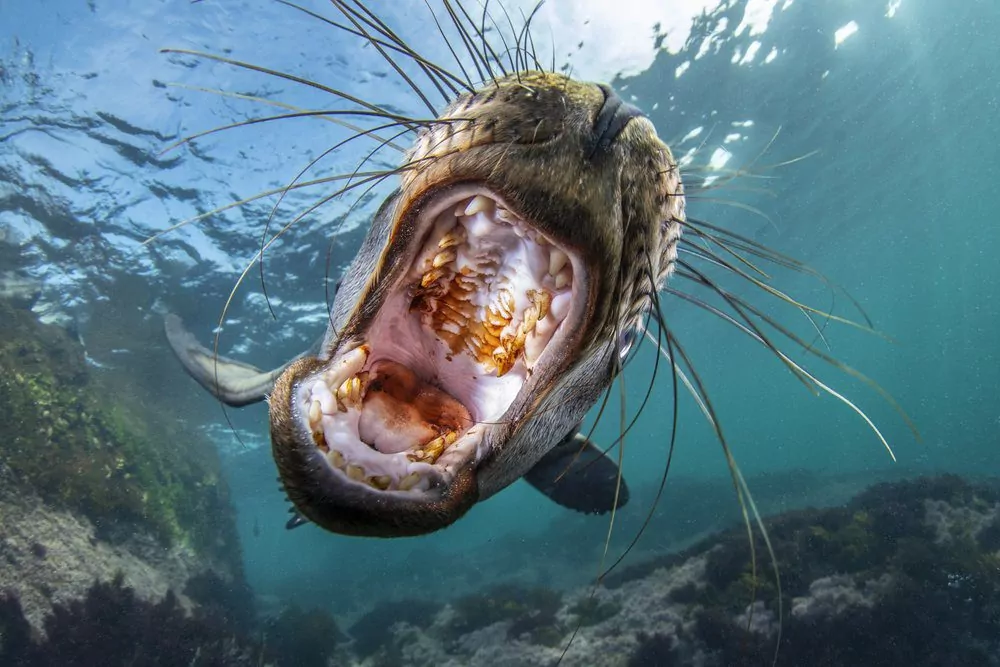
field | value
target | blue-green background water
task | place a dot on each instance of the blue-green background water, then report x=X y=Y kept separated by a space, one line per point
x=897 y=202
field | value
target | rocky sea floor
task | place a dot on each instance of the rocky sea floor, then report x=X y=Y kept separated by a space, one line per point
x=118 y=547
x=907 y=573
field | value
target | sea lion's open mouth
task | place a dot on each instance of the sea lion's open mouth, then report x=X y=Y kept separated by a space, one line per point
x=404 y=404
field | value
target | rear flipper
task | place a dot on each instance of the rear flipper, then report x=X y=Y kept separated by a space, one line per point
x=586 y=484
x=232 y=382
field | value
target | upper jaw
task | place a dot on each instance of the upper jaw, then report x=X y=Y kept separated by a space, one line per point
x=442 y=358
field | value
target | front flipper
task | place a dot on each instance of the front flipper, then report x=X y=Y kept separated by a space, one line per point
x=586 y=484
x=232 y=382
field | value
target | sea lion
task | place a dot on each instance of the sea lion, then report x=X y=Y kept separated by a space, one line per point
x=494 y=300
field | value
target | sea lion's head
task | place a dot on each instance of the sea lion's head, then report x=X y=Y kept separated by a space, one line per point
x=490 y=305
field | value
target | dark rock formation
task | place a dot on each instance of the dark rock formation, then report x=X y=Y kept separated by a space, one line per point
x=907 y=573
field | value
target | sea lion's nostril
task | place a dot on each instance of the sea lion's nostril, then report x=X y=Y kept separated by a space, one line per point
x=611 y=120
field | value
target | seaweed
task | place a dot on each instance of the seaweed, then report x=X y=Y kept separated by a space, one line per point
x=301 y=638
x=81 y=445
x=531 y=611
x=232 y=600
x=371 y=631
x=656 y=650
x=112 y=626
x=891 y=592
x=591 y=611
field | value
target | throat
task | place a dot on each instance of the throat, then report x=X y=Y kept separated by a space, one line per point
x=448 y=351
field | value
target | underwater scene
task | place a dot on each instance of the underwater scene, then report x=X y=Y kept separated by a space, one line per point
x=499 y=333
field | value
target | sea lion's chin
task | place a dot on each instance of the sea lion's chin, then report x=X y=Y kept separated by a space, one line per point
x=445 y=356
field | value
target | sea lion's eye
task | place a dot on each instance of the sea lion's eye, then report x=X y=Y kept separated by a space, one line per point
x=625 y=340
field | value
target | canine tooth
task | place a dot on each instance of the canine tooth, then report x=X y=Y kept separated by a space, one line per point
x=505 y=214
x=320 y=441
x=350 y=364
x=380 y=482
x=543 y=300
x=357 y=473
x=315 y=413
x=530 y=319
x=349 y=391
x=431 y=277
x=451 y=239
x=563 y=279
x=434 y=448
x=557 y=260
x=479 y=203
x=337 y=459
x=443 y=258
x=409 y=481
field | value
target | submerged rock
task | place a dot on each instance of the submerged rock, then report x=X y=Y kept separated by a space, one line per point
x=93 y=483
x=907 y=573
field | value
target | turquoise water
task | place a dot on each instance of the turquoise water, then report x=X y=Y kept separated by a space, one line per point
x=894 y=199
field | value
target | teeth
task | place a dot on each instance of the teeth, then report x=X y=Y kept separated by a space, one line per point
x=315 y=413
x=530 y=319
x=431 y=277
x=357 y=473
x=443 y=258
x=350 y=364
x=506 y=302
x=336 y=459
x=543 y=300
x=452 y=238
x=409 y=481
x=351 y=391
x=380 y=482
x=563 y=279
x=478 y=204
x=505 y=215
x=557 y=260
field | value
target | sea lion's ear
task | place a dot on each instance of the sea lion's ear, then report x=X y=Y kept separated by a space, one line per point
x=576 y=474
x=232 y=382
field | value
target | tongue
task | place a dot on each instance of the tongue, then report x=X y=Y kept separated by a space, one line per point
x=401 y=412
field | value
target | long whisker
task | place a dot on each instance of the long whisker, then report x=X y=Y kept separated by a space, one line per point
x=839 y=365
x=711 y=257
x=528 y=39
x=447 y=42
x=481 y=31
x=445 y=77
x=798 y=368
x=694 y=275
x=349 y=14
x=673 y=431
x=281 y=105
x=281 y=75
x=749 y=246
x=258 y=196
x=299 y=114
x=469 y=43
x=312 y=163
x=747 y=506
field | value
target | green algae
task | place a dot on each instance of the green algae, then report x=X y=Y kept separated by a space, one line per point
x=84 y=446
